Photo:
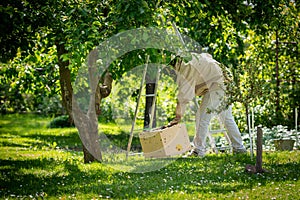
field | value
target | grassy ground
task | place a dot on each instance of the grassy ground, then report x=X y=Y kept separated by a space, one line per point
x=41 y=163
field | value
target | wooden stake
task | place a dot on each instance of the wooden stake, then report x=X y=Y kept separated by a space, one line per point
x=258 y=167
x=259 y=150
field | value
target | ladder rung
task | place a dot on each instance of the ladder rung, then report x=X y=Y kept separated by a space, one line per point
x=133 y=154
x=217 y=131
x=150 y=95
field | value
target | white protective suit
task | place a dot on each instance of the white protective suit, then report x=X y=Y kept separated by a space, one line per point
x=202 y=76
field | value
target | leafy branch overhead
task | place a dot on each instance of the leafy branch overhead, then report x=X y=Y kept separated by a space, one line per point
x=257 y=40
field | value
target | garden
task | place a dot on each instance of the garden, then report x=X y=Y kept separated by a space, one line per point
x=38 y=162
x=80 y=80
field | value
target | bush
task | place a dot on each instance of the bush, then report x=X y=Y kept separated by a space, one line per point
x=60 y=122
x=271 y=134
x=49 y=106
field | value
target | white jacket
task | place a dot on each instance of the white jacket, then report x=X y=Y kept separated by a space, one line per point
x=198 y=76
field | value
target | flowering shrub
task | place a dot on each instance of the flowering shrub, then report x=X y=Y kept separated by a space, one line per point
x=271 y=134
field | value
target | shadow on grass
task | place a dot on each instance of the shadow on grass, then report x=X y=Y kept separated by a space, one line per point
x=31 y=131
x=121 y=140
x=222 y=174
x=43 y=176
x=48 y=177
x=42 y=140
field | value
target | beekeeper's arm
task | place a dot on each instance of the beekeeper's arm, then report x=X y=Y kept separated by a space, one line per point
x=186 y=92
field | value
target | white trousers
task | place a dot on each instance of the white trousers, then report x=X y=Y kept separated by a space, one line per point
x=211 y=100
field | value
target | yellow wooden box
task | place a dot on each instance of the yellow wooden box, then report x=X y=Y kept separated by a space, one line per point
x=171 y=141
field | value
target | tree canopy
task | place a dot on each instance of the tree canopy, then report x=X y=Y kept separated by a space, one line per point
x=257 y=40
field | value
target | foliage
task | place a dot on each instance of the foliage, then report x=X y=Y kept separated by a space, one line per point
x=121 y=104
x=37 y=162
x=60 y=122
x=241 y=35
x=30 y=83
x=20 y=23
x=244 y=35
x=276 y=58
x=39 y=57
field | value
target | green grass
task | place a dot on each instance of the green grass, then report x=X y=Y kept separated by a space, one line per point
x=41 y=163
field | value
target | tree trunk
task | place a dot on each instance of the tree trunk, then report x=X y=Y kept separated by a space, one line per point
x=65 y=81
x=67 y=91
x=150 y=88
x=277 y=79
x=247 y=116
x=87 y=156
x=259 y=150
x=87 y=124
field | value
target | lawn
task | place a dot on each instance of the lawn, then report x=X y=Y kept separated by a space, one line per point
x=37 y=162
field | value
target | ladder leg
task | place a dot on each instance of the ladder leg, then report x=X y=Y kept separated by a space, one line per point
x=136 y=109
x=212 y=143
x=154 y=100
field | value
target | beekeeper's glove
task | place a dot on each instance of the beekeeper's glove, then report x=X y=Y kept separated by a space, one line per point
x=174 y=121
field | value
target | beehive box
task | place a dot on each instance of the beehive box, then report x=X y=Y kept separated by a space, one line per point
x=165 y=142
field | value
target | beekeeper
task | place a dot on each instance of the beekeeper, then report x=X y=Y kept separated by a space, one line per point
x=202 y=76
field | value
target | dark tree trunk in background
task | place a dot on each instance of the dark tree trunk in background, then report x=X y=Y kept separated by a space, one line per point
x=259 y=150
x=150 y=88
x=294 y=86
x=65 y=81
x=277 y=79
